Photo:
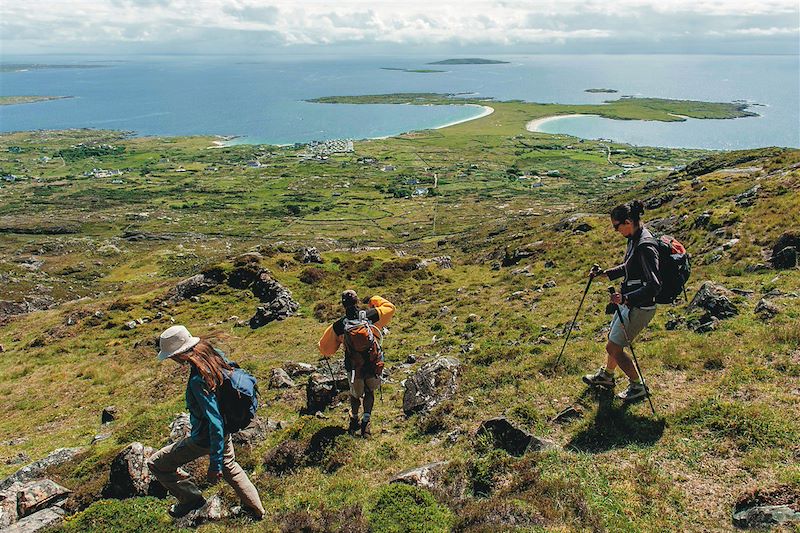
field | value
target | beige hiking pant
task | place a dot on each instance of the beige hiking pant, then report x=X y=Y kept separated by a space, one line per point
x=165 y=462
x=363 y=387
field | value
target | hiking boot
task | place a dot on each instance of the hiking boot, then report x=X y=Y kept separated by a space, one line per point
x=600 y=379
x=635 y=391
x=353 y=427
x=366 y=431
x=182 y=509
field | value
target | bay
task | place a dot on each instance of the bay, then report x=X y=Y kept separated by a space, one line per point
x=261 y=99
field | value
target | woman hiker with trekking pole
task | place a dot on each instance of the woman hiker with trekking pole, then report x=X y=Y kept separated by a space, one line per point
x=635 y=302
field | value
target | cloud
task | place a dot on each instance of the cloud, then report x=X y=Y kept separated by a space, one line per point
x=169 y=23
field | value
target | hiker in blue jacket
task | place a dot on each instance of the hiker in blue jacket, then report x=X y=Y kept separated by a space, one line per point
x=208 y=435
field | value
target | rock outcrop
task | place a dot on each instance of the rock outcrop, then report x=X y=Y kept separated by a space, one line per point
x=715 y=300
x=766 y=309
x=189 y=287
x=308 y=255
x=322 y=388
x=434 y=382
x=784 y=251
x=278 y=300
x=21 y=501
x=129 y=475
x=512 y=439
x=37 y=468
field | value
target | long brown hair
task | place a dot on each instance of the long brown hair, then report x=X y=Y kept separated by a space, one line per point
x=209 y=363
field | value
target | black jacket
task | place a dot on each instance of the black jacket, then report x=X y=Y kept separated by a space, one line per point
x=640 y=268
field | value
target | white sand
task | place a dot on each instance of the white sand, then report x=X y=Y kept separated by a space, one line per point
x=486 y=111
x=536 y=123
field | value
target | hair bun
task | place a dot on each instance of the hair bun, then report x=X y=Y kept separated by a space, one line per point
x=637 y=207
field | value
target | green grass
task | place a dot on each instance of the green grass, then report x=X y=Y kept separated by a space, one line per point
x=725 y=399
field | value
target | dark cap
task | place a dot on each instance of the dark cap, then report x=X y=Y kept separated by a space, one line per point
x=349 y=298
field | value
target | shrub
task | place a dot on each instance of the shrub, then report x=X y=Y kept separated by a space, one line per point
x=398 y=507
x=312 y=275
x=120 y=516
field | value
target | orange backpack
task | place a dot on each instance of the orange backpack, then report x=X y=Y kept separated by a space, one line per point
x=362 y=345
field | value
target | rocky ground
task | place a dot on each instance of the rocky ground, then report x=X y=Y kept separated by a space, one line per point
x=475 y=430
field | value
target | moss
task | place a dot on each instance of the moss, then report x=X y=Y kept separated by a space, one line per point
x=403 y=508
x=120 y=516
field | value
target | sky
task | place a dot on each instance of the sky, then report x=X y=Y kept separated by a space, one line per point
x=389 y=27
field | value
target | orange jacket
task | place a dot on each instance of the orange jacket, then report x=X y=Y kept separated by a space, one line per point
x=330 y=341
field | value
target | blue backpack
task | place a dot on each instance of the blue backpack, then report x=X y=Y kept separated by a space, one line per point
x=238 y=399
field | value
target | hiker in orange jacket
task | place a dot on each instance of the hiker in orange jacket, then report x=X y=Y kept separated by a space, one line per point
x=363 y=373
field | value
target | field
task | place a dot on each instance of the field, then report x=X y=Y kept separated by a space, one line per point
x=522 y=215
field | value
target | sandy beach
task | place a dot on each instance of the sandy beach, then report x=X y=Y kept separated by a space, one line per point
x=536 y=123
x=486 y=111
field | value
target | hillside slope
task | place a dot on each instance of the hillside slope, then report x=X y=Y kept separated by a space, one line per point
x=726 y=398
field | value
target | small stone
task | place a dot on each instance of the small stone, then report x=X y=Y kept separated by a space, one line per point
x=109 y=414
x=100 y=437
x=472 y=317
x=233 y=318
x=765 y=516
x=411 y=359
x=512 y=439
x=131 y=324
x=786 y=258
x=213 y=510
x=194 y=299
x=568 y=414
x=279 y=379
x=425 y=476
x=549 y=264
x=549 y=284
x=765 y=309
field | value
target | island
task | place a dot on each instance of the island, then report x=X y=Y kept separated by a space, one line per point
x=24 y=67
x=14 y=100
x=600 y=91
x=416 y=70
x=469 y=61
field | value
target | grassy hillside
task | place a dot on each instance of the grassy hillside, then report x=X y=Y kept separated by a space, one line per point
x=104 y=250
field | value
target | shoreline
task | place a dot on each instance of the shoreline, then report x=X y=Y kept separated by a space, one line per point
x=534 y=125
x=485 y=113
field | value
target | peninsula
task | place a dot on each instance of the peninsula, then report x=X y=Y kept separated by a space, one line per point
x=14 y=100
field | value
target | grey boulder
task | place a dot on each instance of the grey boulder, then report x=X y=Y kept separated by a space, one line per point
x=433 y=383
x=715 y=300
x=279 y=379
x=129 y=475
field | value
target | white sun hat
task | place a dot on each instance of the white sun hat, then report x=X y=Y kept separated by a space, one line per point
x=175 y=340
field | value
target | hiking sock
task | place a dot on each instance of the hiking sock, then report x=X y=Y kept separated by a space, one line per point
x=366 y=417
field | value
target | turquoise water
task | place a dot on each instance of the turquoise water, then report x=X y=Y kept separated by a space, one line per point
x=263 y=99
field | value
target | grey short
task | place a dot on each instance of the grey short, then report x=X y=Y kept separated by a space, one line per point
x=635 y=320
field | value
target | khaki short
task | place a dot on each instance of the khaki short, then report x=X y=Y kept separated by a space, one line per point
x=359 y=385
x=635 y=320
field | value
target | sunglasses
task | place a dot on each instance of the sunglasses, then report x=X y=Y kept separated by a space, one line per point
x=617 y=225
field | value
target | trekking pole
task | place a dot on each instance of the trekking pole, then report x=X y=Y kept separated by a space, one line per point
x=612 y=290
x=333 y=378
x=595 y=267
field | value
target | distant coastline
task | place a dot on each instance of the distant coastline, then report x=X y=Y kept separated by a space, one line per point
x=415 y=70
x=25 y=67
x=16 y=100
x=469 y=61
x=600 y=91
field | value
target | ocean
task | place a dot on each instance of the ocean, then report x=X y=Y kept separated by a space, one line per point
x=261 y=99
